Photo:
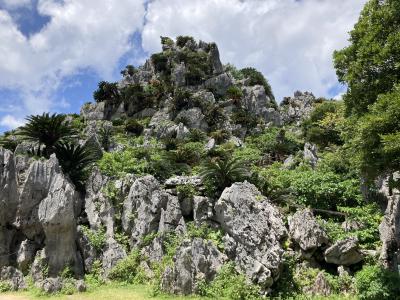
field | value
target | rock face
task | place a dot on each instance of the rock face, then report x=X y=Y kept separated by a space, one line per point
x=344 y=252
x=310 y=154
x=13 y=277
x=305 y=231
x=57 y=214
x=254 y=230
x=321 y=286
x=195 y=261
x=297 y=108
x=390 y=227
x=8 y=203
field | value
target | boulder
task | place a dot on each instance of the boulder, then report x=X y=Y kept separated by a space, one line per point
x=202 y=209
x=13 y=277
x=195 y=262
x=99 y=209
x=219 y=84
x=214 y=59
x=344 y=252
x=310 y=154
x=93 y=111
x=193 y=118
x=26 y=254
x=112 y=254
x=57 y=215
x=295 y=109
x=256 y=102
x=178 y=75
x=8 y=203
x=51 y=285
x=255 y=230
x=182 y=180
x=305 y=231
x=321 y=286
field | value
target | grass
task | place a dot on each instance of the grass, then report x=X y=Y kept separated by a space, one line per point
x=105 y=292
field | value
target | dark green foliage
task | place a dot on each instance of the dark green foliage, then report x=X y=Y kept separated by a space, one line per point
x=377 y=136
x=234 y=93
x=9 y=141
x=105 y=137
x=375 y=283
x=182 y=40
x=160 y=61
x=128 y=71
x=198 y=67
x=370 y=64
x=134 y=127
x=245 y=118
x=255 y=77
x=181 y=99
x=196 y=135
x=75 y=161
x=214 y=115
x=220 y=135
x=223 y=172
x=276 y=143
x=107 y=92
x=47 y=130
x=321 y=127
x=128 y=270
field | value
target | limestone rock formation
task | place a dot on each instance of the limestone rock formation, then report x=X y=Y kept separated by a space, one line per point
x=297 y=108
x=254 y=230
x=344 y=252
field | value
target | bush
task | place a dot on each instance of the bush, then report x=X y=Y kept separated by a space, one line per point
x=181 y=99
x=196 y=135
x=134 y=127
x=128 y=71
x=375 y=283
x=128 y=270
x=106 y=92
x=234 y=92
x=186 y=191
x=257 y=78
x=230 y=285
x=96 y=238
x=182 y=40
x=245 y=118
x=160 y=61
x=5 y=287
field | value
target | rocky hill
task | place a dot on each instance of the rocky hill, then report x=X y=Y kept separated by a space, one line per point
x=201 y=184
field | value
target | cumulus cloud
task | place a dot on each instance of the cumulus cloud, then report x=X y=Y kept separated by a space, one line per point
x=291 y=42
x=13 y=4
x=10 y=121
x=81 y=34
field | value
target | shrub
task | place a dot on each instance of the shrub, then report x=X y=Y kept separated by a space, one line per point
x=234 y=92
x=220 y=135
x=257 y=78
x=376 y=283
x=214 y=115
x=96 y=238
x=230 y=285
x=107 y=92
x=129 y=71
x=185 y=191
x=5 y=287
x=181 y=99
x=182 y=40
x=245 y=118
x=196 y=135
x=160 y=61
x=134 y=127
x=128 y=270
x=206 y=232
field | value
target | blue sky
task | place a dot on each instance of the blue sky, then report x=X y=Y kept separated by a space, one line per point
x=53 y=52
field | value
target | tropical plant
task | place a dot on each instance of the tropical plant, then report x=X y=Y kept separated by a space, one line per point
x=105 y=134
x=224 y=171
x=369 y=65
x=106 y=92
x=47 y=130
x=75 y=161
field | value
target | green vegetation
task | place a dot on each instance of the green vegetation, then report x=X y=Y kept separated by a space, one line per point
x=106 y=92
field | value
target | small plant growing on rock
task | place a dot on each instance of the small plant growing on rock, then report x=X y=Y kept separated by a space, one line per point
x=134 y=127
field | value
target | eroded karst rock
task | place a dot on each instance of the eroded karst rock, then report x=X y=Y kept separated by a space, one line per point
x=305 y=231
x=194 y=262
x=345 y=252
x=295 y=109
x=13 y=277
x=254 y=231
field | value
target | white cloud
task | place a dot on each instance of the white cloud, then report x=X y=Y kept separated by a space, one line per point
x=291 y=42
x=81 y=34
x=14 y=4
x=11 y=122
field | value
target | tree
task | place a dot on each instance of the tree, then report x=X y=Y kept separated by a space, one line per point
x=224 y=171
x=75 y=161
x=47 y=130
x=377 y=138
x=370 y=65
x=106 y=92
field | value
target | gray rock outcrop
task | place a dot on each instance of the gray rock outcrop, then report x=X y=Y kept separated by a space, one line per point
x=344 y=252
x=305 y=231
x=254 y=230
x=194 y=262
x=13 y=277
x=295 y=109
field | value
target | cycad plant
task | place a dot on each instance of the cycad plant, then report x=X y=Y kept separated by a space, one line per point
x=75 y=161
x=47 y=130
x=224 y=171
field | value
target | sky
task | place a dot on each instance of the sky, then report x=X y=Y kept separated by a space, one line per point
x=54 y=52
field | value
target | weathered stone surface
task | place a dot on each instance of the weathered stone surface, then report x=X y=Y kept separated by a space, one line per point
x=51 y=285
x=297 y=108
x=256 y=102
x=178 y=75
x=389 y=228
x=321 y=286
x=344 y=252
x=210 y=145
x=57 y=215
x=99 y=210
x=305 y=231
x=219 y=84
x=194 y=118
x=170 y=216
x=254 y=230
x=80 y=286
x=8 y=203
x=194 y=262
x=215 y=60
x=26 y=254
x=93 y=111
x=310 y=154
x=183 y=180
x=202 y=209
x=13 y=277
x=88 y=252
x=112 y=254
x=35 y=189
